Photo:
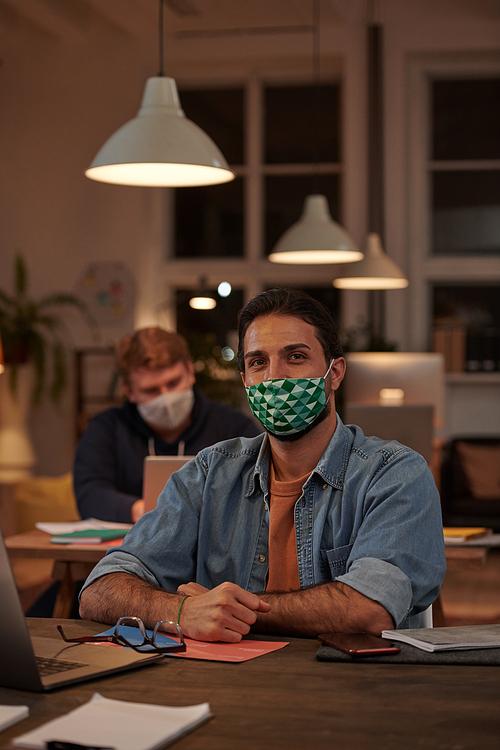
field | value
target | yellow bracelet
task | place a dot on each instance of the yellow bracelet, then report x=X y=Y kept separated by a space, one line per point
x=180 y=607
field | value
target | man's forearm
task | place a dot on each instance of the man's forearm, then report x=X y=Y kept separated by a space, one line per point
x=123 y=595
x=327 y=608
x=225 y=613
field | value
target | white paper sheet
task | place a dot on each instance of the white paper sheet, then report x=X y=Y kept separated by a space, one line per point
x=10 y=715
x=104 y=722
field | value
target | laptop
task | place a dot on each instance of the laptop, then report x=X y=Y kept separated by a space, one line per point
x=44 y=663
x=157 y=471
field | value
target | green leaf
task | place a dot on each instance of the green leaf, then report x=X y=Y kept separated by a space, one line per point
x=7 y=301
x=61 y=298
x=20 y=276
x=37 y=351
x=50 y=322
x=31 y=332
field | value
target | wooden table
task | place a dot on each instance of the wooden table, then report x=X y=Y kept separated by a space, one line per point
x=458 y=557
x=289 y=701
x=72 y=562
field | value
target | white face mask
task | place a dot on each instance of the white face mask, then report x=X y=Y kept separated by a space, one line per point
x=168 y=410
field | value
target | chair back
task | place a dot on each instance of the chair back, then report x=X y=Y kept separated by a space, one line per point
x=426 y=621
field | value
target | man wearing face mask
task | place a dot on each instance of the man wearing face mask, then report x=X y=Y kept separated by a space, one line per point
x=311 y=528
x=164 y=415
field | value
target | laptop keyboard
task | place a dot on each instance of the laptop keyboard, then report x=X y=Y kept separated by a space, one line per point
x=47 y=666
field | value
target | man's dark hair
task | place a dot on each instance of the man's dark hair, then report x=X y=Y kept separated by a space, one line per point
x=290 y=302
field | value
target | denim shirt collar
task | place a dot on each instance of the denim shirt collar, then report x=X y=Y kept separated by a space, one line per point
x=331 y=467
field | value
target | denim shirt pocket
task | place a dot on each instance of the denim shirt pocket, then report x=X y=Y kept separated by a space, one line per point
x=334 y=561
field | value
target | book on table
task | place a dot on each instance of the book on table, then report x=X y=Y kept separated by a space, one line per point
x=448 y=639
x=89 y=536
x=88 y=531
x=457 y=534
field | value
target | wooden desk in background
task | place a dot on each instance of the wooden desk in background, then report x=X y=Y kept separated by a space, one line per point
x=72 y=562
x=458 y=558
x=287 y=700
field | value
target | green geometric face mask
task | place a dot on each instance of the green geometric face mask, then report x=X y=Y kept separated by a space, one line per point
x=288 y=405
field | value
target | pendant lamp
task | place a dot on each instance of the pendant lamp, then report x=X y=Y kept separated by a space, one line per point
x=202 y=303
x=375 y=271
x=160 y=147
x=203 y=300
x=316 y=237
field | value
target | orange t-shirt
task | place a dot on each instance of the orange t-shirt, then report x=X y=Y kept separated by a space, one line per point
x=283 y=565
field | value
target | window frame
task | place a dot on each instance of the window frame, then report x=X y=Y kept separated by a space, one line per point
x=252 y=272
x=426 y=269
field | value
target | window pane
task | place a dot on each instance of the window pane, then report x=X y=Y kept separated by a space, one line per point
x=466 y=119
x=467 y=326
x=208 y=332
x=466 y=213
x=209 y=221
x=285 y=201
x=302 y=124
x=216 y=322
x=219 y=112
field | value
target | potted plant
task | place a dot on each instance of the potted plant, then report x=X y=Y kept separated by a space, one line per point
x=30 y=331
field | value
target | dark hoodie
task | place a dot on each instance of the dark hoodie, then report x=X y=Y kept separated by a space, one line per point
x=109 y=460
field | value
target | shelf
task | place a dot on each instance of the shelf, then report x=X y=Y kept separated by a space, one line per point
x=472 y=378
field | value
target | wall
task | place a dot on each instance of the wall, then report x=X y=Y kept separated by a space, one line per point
x=59 y=103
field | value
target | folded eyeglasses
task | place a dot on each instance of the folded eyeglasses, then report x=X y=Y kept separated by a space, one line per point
x=142 y=647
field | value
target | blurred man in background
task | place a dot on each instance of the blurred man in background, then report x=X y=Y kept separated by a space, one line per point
x=164 y=415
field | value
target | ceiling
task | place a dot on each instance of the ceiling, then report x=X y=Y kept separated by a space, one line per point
x=74 y=20
x=71 y=19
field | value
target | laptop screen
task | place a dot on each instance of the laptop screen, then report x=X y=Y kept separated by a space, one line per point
x=157 y=471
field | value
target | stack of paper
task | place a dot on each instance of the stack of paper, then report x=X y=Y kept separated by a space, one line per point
x=90 y=531
x=103 y=722
x=10 y=715
x=448 y=639
x=89 y=536
x=462 y=534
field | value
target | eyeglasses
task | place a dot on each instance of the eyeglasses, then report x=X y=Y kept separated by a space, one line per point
x=142 y=647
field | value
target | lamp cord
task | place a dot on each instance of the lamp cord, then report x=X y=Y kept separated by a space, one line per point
x=161 y=71
x=316 y=94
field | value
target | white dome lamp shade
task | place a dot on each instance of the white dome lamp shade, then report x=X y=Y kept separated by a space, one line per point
x=202 y=299
x=160 y=147
x=316 y=238
x=375 y=271
x=202 y=302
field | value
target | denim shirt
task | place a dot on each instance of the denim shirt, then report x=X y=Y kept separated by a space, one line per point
x=369 y=515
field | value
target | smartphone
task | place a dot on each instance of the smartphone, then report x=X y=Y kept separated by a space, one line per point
x=359 y=644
